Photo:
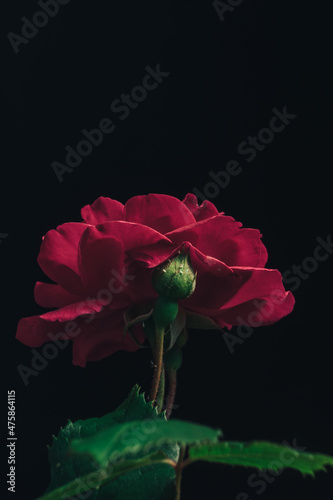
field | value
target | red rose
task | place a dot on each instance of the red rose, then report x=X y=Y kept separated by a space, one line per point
x=102 y=267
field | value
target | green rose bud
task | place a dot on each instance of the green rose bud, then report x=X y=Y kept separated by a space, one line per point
x=175 y=278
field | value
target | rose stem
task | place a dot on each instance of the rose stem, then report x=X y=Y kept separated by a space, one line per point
x=158 y=357
x=172 y=377
x=178 y=470
x=161 y=389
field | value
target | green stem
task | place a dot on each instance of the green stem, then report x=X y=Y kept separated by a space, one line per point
x=188 y=461
x=178 y=470
x=158 y=357
x=161 y=389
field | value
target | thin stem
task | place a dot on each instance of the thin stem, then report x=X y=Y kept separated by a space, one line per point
x=187 y=462
x=161 y=389
x=158 y=356
x=178 y=470
x=172 y=377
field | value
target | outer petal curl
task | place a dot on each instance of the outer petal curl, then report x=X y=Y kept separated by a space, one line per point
x=202 y=212
x=102 y=210
x=224 y=239
x=158 y=211
x=58 y=256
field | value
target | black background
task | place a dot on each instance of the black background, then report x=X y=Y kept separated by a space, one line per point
x=225 y=78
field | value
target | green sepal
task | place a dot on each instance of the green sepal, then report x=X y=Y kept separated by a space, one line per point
x=182 y=338
x=174 y=330
x=149 y=329
x=173 y=359
x=200 y=322
x=132 y=317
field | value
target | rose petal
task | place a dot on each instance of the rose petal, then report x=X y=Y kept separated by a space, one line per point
x=58 y=256
x=259 y=290
x=258 y=312
x=103 y=210
x=223 y=238
x=216 y=283
x=158 y=211
x=202 y=212
x=35 y=330
x=50 y=295
x=73 y=311
x=256 y=283
x=101 y=255
x=140 y=289
x=106 y=248
x=102 y=338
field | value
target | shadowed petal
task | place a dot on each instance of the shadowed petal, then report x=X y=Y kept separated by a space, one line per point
x=51 y=295
x=102 y=338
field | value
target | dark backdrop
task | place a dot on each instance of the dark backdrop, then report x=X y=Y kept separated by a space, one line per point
x=225 y=77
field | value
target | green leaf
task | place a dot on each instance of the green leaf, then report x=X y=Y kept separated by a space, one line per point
x=103 y=476
x=261 y=455
x=132 y=316
x=133 y=437
x=155 y=481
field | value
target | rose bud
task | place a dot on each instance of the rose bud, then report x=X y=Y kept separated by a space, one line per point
x=175 y=278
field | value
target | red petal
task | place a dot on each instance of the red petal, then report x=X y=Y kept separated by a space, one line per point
x=102 y=210
x=35 y=330
x=158 y=211
x=50 y=295
x=104 y=250
x=73 y=311
x=141 y=290
x=261 y=311
x=101 y=255
x=258 y=290
x=102 y=338
x=216 y=283
x=94 y=337
x=257 y=283
x=58 y=256
x=223 y=238
x=202 y=212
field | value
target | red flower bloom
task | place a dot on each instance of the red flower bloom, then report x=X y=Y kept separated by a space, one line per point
x=102 y=267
